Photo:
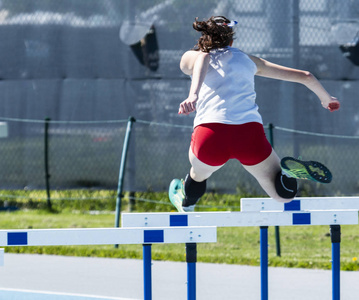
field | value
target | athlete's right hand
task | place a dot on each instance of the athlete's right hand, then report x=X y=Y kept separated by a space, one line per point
x=188 y=105
x=332 y=104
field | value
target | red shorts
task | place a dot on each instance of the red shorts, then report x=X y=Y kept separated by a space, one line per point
x=215 y=143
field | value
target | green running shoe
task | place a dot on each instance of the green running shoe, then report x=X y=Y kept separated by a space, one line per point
x=311 y=170
x=176 y=194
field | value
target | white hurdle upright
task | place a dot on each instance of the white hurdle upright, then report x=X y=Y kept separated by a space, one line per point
x=310 y=204
x=244 y=219
x=116 y=236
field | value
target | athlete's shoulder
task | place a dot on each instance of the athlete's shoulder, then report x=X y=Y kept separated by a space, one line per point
x=188 y=60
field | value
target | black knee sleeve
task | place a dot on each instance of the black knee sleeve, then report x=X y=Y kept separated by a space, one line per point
x=193 y=190
x=286 y=187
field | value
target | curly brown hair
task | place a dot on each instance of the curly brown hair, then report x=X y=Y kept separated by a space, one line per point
x=215 y=33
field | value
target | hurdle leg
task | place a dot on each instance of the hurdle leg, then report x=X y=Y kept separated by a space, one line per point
x=264 y=261
x=336 y=239
x=191 y=259
x=147 y=272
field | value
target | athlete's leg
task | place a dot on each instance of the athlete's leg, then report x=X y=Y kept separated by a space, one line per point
x=199 y=170
x=185 y=195
x=195 y=182
x=269 y=175
x=207 y=154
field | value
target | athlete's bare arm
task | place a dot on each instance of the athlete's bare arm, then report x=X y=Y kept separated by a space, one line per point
x=271 y=70
x=193 y=63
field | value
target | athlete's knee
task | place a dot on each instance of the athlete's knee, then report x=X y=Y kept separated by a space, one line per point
x=194 y=190
x=199 y=175
x=286 y=187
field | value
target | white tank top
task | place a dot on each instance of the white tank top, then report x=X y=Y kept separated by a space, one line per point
x=227 y=94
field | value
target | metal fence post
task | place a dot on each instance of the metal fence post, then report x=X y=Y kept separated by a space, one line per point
x=46 y=157
x=121 y=176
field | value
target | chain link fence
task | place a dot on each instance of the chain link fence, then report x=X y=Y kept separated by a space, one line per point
x=88 y=155
x=90 y=64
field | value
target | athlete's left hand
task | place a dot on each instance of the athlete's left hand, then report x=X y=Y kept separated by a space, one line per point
x=332 y=105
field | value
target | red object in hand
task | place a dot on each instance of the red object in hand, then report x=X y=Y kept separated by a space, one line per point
x=333 y=106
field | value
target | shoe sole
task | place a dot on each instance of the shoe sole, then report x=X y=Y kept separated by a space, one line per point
x=173 y=193
x=314 y=170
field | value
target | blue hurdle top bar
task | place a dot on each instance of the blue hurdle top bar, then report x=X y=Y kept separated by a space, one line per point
x=298 y=204
x=240 y=219
x=107 y=236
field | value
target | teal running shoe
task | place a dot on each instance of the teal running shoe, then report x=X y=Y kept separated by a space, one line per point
x=310 y=170
x=176 y=194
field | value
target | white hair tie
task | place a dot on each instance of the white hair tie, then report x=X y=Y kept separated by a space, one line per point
x=231 y=24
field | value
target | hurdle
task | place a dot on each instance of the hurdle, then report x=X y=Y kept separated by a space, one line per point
x=305 y=204
x=120 y=236
x=300 y=203
x=248 y=219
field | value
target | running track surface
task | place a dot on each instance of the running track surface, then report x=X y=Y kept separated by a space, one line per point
x=50 y=277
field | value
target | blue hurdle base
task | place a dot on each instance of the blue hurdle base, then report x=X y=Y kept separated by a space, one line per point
x=147 y=272
x=191 y=259
x=335 y=233
x=264 y=261
x=336 y=239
